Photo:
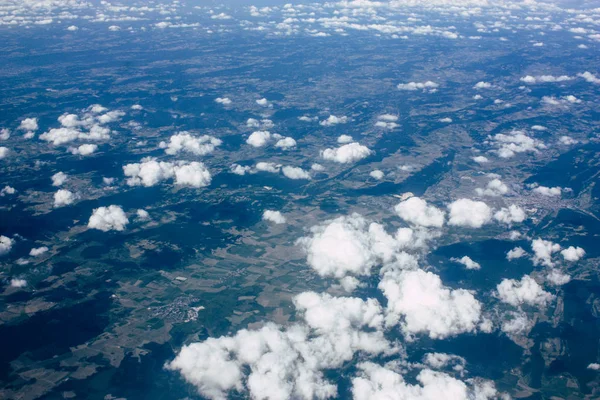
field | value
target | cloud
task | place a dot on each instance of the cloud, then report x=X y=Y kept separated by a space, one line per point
x=63 y=198
x=589 y=77
x=4 y=134
x=29 y=124
x=510 y=215
x=221 y=16
x=416 y=211
x=263 y=123
x=515 y=253
x=333 y=120
x=223 y=100
x=239 y=169
x=412 y=86
x=573 y=253
x=516 y=323
x=38 y=251
x=525 y=291
x=347 y=153
x=388 y=117
x=147 y=173
x=422 y=304
x=185 y=142
x=340 y=247
x=258 y=138
x=441 y=360
x=142 y=214
x=495 y=187
x=557 y=278
x=108 y=218
x=482 y=85
x=545 y=79
x=193 y=174
x=59 y=178
x=548 y=191
x=263 y=102
x=563 y=101
x=469 y=213
x=515 y=142
x=350 y=245
x=567 y=140
x=285 y=143
x=376 y=174
x=274 y=216
x=150 y=172
x=7 y=190
x=543 y=250
x=387 y=121
x=6 y=244
x=87 y=126
x=84 y=149
x=4 y=151
x=267 y=167
x=295 y=173
x=467 y=262
x=343 y=139
x=18 y=283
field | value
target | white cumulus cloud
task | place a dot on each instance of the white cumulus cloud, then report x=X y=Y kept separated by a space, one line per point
x=185 y=142
x=525 y=291
x=469 y=213
x=108 y=218
x=347 y=153
x=63 y=198
x=274 y=216
x=416 y=211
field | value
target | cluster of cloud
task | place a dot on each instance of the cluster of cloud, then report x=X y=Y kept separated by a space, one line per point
x=529 y=79
x=427 y=86
x=290 y=172
x=287 y=362
x=277 y=362
x=547 y=191
x=462 y=212
x=150 y=172
x=495 y=187
x=223 y=100
x=30 y=126
x=333 y=120
x=83 y=150
x=262 y=138
x=387 y=121
x=515 y=142
x=563 y=101
x=524 y=291
x=87 y=126
x=185 y=142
